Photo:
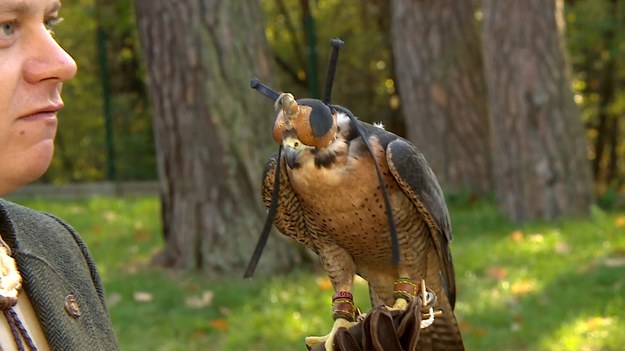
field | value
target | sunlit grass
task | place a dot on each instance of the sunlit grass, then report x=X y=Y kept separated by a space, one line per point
x=540 y=286
x=588 y=333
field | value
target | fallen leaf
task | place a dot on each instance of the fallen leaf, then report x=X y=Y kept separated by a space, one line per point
x=619 y=222
x=219 y=324
x=562 y=248
x=467 y=328
x=536 y=238
x=614 y=262
x=517 y=236
x=197 y=302
x=522 y=287
x=198 y=334
x=109 y=216
x=499 y=273
x=142 y=296
x=142 y=236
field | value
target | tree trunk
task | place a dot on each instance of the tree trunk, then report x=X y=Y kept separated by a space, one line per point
x=213 y=132
x=441 y=85
x=541 y=167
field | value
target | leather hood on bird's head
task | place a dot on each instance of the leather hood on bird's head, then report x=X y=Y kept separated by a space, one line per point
x=313 y=121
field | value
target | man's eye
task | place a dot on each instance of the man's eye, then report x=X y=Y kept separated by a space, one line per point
x=51 y=22
x=7 y=29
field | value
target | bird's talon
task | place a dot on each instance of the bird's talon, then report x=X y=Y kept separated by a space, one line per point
x=311 y=341
x=400 y=304
x=360 y=316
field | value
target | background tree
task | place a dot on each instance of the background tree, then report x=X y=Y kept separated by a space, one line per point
x=366 y=81
x=541 y=167
x=439 y=70
x=213 y=132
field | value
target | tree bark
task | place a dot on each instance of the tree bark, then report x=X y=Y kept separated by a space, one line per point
x=441 y=85
x=213 y=132
x=541 y=167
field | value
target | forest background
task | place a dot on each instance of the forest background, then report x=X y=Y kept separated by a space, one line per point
x=112 y=129
x=106 y=131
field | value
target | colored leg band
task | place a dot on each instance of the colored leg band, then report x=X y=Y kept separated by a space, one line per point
x=405 y=288
x=343 y=306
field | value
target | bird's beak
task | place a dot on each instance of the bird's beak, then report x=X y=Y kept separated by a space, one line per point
x=290 y=155
x=291 y=150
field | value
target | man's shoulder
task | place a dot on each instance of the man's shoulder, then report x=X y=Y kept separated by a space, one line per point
x=12 y=208
x=25 y=225
x=20 y=215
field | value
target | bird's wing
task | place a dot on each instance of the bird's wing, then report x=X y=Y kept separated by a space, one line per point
x=418 y=182
x=289 y=218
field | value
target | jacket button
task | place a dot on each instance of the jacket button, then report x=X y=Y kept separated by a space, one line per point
x=71 y=306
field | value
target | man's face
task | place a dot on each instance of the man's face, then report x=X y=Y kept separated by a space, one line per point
x=32 y=69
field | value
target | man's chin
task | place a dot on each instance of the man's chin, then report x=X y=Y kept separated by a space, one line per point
x=25 y=166
x=39 y=161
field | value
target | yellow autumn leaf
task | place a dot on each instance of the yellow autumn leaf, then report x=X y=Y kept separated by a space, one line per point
x=523 y=287
x=596 y=323
x=517 y=236
x=619 y=222
x=324 y=283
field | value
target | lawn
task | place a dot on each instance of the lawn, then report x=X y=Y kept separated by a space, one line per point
x=540 y=286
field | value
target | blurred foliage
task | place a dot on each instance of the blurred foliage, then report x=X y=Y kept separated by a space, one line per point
x=81 y=140
x=365 y=78
x=365 y=81
x=596 y=44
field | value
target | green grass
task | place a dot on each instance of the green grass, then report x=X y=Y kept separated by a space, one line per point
x=541 y=286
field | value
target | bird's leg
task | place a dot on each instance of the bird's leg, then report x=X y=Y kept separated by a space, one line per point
x=341 y=270
x=344 y=315
x=404 y=290
x=410 y=271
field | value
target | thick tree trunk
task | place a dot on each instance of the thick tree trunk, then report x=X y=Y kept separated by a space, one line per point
x=438 y=63
x=213 y=132
x=541 y=167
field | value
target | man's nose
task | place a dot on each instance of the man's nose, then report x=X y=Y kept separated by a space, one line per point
x=46 y=59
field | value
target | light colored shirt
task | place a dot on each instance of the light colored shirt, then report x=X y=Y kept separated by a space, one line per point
x=29 y=319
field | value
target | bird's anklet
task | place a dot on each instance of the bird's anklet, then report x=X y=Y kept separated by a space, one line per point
x=343 y=306
x=405 y=288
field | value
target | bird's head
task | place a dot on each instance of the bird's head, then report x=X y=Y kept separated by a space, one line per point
x=305 y=124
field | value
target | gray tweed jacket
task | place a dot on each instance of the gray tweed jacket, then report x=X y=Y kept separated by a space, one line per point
x=60 y=279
